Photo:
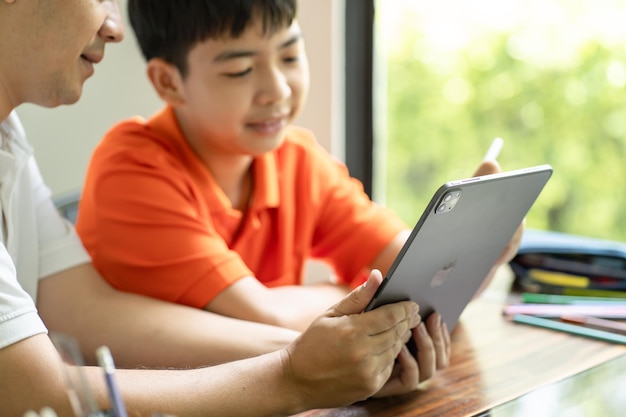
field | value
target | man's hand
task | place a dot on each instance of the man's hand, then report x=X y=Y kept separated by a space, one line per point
x=347 y=356
x=433 y=353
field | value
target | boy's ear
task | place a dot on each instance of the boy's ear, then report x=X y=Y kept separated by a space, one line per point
x=167 y=81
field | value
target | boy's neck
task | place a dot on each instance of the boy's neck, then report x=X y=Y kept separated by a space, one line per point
x=236 y=182
x=233 y=173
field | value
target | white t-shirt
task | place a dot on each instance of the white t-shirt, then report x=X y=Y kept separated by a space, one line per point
x=35 y=241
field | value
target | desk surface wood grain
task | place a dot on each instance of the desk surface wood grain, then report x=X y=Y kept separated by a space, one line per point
x=493 y=361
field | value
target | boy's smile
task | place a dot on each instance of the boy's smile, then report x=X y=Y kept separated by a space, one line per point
x=240 y=94
x=271 y=126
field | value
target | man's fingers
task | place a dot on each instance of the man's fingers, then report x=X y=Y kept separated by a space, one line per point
x=404 y=378
x=359 y=298
x=448 y=346
x=394 y=337
x=441 y=340
x=426 y=356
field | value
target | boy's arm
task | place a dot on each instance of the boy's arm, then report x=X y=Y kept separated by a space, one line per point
x=79 y=302
x=293 y=307
x=342 y=358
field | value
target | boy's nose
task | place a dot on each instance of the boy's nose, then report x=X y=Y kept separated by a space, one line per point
x=112 y=29
x=275 y=87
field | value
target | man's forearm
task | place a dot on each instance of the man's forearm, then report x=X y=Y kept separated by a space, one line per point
x=256 y=386
x=146 y=332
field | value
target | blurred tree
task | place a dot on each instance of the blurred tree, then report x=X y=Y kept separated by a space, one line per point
x=443 y=111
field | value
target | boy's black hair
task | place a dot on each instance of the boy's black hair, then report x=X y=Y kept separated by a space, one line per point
x=169 y=29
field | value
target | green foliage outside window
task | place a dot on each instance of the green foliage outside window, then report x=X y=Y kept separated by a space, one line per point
x=442 y=111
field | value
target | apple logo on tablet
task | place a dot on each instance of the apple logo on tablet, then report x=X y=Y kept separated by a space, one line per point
x=441 y=275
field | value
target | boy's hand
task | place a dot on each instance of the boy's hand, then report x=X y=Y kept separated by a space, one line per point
x=347 y=356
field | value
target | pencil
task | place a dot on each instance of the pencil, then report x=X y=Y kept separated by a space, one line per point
x=538 y=298
x=605 y=311
x=105 y=360
x=587 y=292
x=597 y=323
x=570 y=328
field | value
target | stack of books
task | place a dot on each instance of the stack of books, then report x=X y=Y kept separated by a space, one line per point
x=559 y=263
x=571 y=283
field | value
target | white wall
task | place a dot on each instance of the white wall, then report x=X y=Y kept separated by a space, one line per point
x=65 y=137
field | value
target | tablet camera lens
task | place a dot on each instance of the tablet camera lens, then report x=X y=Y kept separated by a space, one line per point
x=448 y=201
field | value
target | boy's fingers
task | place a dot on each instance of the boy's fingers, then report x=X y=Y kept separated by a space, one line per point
x=487 y=167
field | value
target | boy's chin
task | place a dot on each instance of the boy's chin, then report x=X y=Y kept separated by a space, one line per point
x=267 y=143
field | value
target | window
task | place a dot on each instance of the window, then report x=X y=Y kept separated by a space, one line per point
x=547 y=76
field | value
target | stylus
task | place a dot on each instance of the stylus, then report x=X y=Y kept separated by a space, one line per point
x=105 y=360
x=494 y=150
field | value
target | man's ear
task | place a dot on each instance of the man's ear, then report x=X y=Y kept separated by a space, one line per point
x=167 y=81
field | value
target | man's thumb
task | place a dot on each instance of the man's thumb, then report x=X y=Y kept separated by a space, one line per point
x=359 y=298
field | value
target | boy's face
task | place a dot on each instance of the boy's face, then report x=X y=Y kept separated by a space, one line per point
x=62 y=42
x=240 y=94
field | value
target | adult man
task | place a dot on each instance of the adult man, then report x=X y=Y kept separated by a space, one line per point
x=48 y=50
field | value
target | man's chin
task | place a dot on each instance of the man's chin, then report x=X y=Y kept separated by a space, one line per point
x=67 y=98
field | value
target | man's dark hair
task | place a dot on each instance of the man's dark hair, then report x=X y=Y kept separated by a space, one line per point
x=169 y=29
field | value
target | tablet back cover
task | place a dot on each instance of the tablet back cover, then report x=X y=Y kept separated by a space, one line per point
x=457 y=240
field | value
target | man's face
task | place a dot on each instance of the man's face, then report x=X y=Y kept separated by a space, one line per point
x=240 y=94
x=64 y=39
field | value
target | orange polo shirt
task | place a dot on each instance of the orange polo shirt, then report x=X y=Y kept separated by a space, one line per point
x=156 y=223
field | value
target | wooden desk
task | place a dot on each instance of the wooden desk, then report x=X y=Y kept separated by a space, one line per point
x=599 y=391
x=493 y=361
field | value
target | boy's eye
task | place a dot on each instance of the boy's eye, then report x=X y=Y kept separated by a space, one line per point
x=291 y=59
x=239 y=74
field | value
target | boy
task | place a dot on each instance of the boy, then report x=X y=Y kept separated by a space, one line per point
x=216 y=202
x=51 y=48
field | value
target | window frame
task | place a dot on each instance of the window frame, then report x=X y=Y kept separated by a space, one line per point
x=359 y=77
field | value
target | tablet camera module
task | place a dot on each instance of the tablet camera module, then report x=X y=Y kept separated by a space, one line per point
x=449 y=200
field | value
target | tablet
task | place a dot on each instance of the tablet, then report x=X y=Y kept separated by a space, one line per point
x=458 y=239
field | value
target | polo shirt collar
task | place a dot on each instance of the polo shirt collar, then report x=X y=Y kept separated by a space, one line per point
x=266 y=189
